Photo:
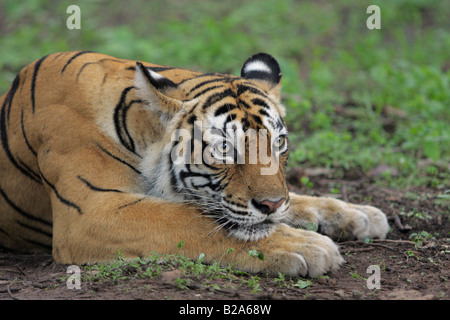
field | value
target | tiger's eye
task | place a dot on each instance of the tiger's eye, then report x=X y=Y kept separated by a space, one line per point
x=279 y=142
x=223 y=147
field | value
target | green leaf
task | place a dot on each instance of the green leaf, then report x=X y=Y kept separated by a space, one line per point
x=230 y=251
x=302 y=284
x=255 y=254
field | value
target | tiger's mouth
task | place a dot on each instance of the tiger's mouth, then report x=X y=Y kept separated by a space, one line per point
x=247 y=226
x=242 y=224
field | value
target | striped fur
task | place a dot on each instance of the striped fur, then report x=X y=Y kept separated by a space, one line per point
x=87 y=167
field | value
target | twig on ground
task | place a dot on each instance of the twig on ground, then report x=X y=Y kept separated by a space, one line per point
x=400 y=226
x=10 y=294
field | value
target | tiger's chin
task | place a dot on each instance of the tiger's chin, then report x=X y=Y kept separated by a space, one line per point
x=252 y=232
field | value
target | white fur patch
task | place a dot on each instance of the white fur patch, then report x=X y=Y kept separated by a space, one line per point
x=257 y=66
x=154 y=74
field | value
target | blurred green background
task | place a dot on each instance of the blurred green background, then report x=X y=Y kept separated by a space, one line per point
x=374 y=100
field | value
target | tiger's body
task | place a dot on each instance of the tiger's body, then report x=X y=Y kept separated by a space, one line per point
x=85 y=168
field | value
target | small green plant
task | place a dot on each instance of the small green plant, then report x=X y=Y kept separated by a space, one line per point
x=306 y=182
x=255 y=254
x=419 y=215
x=420 y=238
x=302 y=283
x=183 y=283
x=282 y=282
x=355 y=274
x=253 y=283
x=179 y=246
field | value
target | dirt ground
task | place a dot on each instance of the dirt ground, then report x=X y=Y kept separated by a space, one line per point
x=409 y=268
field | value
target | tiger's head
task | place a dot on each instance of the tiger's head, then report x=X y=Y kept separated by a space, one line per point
x=224 y=146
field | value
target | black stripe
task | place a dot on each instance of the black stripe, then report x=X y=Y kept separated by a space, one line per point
x=206 y=90
x=45 y=233
x=201 y=84
x=192 y=119
x=216 y=97
x=260 y=102
x=120 y=121
x=82 y=68
x=73 y=58
x=263 y=113
x=25 y=136
x=94 y=188
x=124 y=123
x=155 y=69
x=5 y=144
x=37 y=65
x=230 y=118
x=9 y=98
x=224 y=109
x=184 y=175
x=62 y=199
x=240 y=205
x=120 y=116
x=118 y=159
x=244 y=88
x=160 y=82
x=257 y=119
x=234 y=210
x=28 y=169
x=218 y=75
x=21 y=211
x=129 y=204
x=57 y=55
x=244 y=104
x=160 y=69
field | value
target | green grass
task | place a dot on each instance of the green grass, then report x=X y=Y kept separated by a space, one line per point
x=193 y=274
x=211 y=276
x=356 y=98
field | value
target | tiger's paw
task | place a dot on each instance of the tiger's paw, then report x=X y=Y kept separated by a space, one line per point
x=297 y=252
x=338 y=219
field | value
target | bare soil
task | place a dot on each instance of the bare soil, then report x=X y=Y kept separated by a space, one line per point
x=408 y=270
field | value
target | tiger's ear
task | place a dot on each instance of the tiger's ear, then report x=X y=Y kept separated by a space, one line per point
x=161 y=93
x=263 y=69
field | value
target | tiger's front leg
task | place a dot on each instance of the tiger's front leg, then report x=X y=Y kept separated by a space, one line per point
x=337 y=219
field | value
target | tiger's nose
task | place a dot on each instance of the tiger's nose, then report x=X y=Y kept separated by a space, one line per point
x=268 y=206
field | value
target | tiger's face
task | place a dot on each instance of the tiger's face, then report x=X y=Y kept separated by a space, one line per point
x=226 y=146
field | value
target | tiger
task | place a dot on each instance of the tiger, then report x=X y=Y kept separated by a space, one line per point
x=97 y=157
